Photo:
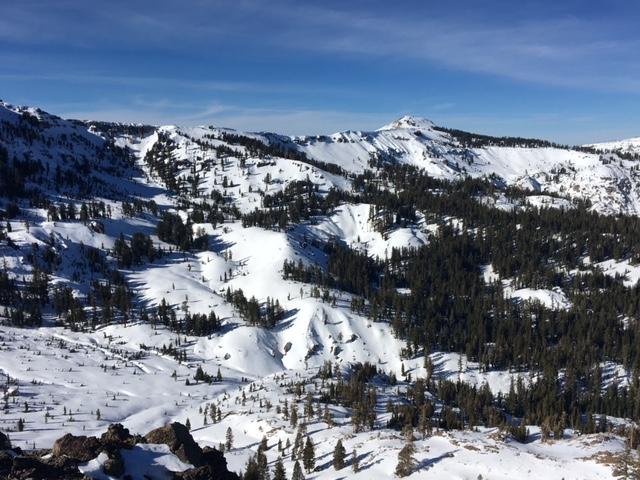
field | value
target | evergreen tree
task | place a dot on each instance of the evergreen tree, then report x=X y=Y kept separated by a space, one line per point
x=297 y=472
x=355 y=463
x=406 y=462
x=228 y=439
x=252 y=470
x=423 y=421
x=339 y=454
x=278 y=470
x=309 y=455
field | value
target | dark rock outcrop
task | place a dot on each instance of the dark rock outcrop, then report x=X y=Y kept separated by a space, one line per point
x=5 y=443
x=217 y=463
x=70 y=450
x=117 y=437
x=205 y=472
x=209 y=463
x=33 y=468
x=81 y=449
x=198 y=473
x=6 y=463
x=177 y=437
x=114 y=466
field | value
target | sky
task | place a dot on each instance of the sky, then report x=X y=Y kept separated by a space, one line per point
x=567 y=71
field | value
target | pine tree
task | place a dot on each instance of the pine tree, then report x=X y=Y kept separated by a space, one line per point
x=309 y=455
x=339 y=454
x=326 y=416
x=423 y=421
x=252 y=470
x=406 y=462
x=297 y=472
x=187 y=424
x=308 y=407
x=297 y=446
x=263 y=444
x=228 y=439
x=278 y=471
x=263 y=465
x=355 y=463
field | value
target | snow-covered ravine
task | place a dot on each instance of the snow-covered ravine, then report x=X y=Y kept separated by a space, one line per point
x=67 y=377
x=120 y=370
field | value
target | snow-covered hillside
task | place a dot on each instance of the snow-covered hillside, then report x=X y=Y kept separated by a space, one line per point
x=135 y=231
x=611 y=184
x=629 y=145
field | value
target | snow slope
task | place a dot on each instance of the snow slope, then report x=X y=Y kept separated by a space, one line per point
x=65 y=377
x=610 y=183
x=351 y=224
x=629 y=145
x=81 y=373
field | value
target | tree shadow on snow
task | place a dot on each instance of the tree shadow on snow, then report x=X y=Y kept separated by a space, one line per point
x=430 y=462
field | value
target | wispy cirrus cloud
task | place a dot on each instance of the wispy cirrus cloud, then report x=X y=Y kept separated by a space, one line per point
x=566 y=51
x=171 y=82
x=563 y=50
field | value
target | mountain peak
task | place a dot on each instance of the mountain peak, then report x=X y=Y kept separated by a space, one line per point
x=409 y=121
x=626 y=145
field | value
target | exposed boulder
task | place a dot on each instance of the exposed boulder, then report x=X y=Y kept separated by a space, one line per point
x=69 y=451
x=6 y=462
x=215 y=460
x=33 y=468
x=117 y=437
x=198 y=473
x=81 y=449
x=114 y=465
x=5 y=443
x=177 y=437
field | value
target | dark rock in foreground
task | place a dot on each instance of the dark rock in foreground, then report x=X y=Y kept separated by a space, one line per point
x=177 y=437
x=81 y=449
x=69 y=451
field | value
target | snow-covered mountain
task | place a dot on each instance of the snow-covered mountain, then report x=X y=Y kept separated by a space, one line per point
x=628 y=146
x=594 y=172
x=74 y=195
x=610 y=183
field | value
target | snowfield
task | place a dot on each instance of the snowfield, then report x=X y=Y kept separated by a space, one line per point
x=625 y=269
x=59 y=380
x=352 y=224
x=59 y=371
x=629 y=145
x=554 y=299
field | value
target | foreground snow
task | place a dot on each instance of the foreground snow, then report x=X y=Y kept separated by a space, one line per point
x=79 y=373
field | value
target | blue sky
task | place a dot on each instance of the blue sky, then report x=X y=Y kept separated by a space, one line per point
x=568 y=71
